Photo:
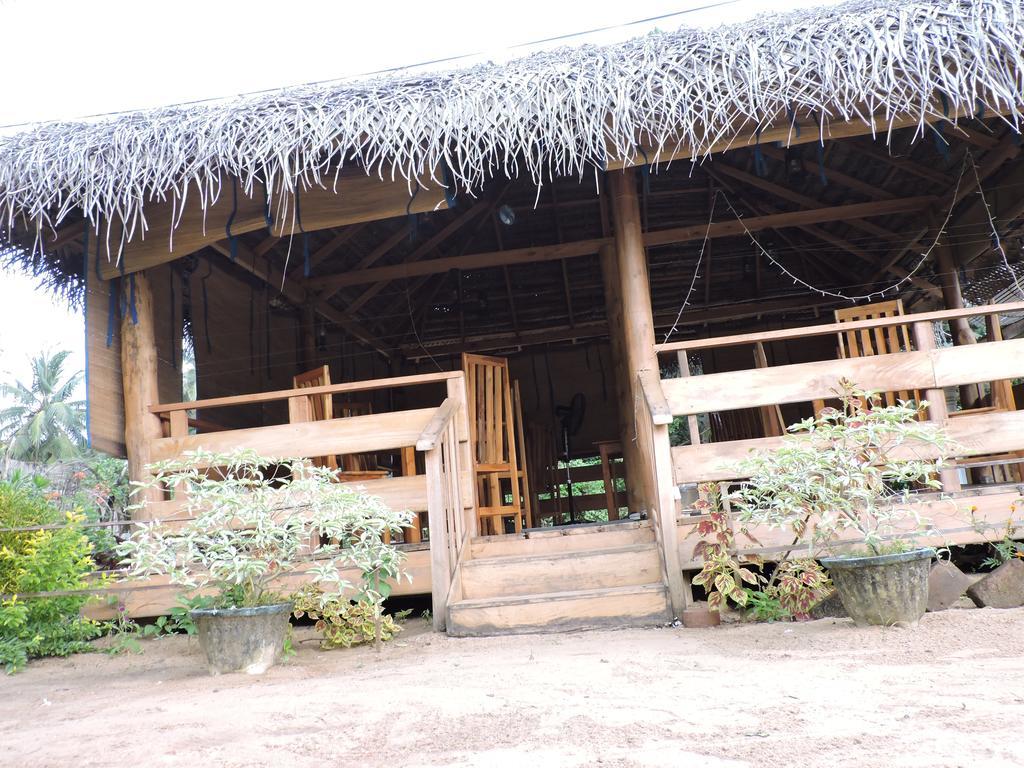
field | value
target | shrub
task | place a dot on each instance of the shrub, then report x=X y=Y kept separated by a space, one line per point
x=845 y=474
x=342 y=622
x=252 y=519
x=41 y=561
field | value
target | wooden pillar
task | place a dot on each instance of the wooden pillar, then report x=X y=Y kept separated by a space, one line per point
x=924 y=340
x=953 y=298
x=637 y=326
x=139 y=377
x=620 y=379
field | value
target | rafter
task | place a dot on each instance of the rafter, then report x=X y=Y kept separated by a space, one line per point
x=823 y=234
x=528 y=337
x=574 y=249
x=297 y=295
x=956 y=192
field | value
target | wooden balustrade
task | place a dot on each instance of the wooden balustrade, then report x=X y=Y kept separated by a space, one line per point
x=448 y=515
x=445 y=492
x=925 y=368
x=652 y=419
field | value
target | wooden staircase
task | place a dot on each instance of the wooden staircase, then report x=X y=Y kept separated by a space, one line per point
x=578 y=577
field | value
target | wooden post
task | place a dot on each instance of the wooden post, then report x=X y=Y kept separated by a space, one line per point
x=637 y=322
x=440 y=564
x=953 y=298
x=924 y=340
x=139 y=378
x=457 y=392
x=620 y=379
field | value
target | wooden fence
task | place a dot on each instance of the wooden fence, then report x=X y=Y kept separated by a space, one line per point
x=959 y=517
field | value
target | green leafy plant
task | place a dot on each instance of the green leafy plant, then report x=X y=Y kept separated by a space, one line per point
x=1006 y=549
x=251 y=519
x=56 y=559
x=342 y=622
x=123 y=633
x=846 y=474
x=722 y=575
x=764 y=607
x=179 y=620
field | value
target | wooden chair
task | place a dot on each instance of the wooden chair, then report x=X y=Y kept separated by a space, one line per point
x=321 y=408
x=493 y=435
x=315 y=407
x=874 y=341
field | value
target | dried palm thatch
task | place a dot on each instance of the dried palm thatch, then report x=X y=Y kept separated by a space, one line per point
x=555 y=113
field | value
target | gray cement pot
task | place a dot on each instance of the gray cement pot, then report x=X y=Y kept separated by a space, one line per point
x=883 y=589
x=242 y=639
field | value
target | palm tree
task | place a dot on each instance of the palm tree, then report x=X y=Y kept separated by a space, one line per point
x=44 y=424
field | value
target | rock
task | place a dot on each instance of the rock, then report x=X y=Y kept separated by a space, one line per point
x=946 y=583
x=830 y=607
x=1003 y=588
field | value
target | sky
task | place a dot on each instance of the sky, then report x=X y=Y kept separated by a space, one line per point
x=75 y=59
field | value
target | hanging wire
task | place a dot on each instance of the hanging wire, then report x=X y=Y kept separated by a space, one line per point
x=997 y=242
x=867 y=296
x=696 y=269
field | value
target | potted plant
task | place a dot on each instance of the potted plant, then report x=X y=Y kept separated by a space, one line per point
x=250 y=521
x=843 y=483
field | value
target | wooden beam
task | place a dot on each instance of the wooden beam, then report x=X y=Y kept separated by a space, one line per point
x=297 y=295
x=873 y=191
x=331 y=284
x=571 y=250
x=956 y=193
x=535 y=336
x=358 y=198
x=795 y=197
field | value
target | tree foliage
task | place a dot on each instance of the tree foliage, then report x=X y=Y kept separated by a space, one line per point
x=44 y=422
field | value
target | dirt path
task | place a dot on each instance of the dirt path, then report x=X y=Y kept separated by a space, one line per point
x=824 y=693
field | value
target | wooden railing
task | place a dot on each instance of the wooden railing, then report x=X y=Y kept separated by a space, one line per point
x=310 y=439
x=445 y=492
x=984 y=517
x=652 y=418
x=924 y=368
x=449 y=527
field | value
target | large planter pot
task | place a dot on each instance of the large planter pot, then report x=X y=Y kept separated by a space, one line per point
x=883 y=589
x=242 y=639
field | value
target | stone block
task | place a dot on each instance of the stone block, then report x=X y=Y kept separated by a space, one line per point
x=1003 y=588
x=946 y=583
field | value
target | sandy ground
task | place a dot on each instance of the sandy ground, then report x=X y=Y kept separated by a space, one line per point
x=823 y=693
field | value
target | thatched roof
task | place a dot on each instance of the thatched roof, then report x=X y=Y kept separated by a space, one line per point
x=558 y=113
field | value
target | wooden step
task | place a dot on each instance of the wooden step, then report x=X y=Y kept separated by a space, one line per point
x=642 y=605
x=569 y=538
x=564 y=571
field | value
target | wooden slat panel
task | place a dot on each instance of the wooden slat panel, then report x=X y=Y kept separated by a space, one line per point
x=155 y=596
x=397 y=492
x=358 y=434
x=954 y=524
x=795 y=383
x=977 y=435
x=976 y=363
